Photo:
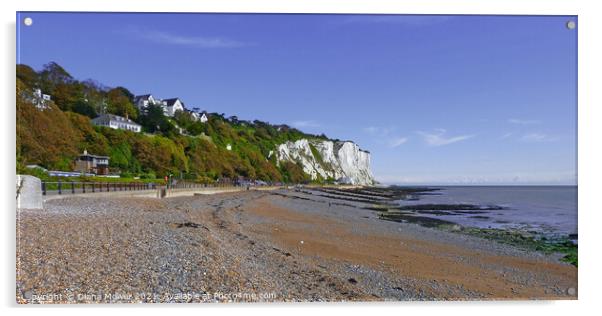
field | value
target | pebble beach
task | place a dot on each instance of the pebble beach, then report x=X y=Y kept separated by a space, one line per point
x=262 y=246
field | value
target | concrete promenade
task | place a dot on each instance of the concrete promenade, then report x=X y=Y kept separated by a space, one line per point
x=154 y=193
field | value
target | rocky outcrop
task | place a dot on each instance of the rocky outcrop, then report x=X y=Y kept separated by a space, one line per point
x=342 y=161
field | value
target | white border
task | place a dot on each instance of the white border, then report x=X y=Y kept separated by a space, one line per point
x=589 y=27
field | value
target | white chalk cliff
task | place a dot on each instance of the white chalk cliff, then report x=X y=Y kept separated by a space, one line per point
x=343 y=161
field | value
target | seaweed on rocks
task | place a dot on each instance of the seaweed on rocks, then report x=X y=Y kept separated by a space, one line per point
x=353 y=194
x=378 y=193
x=450 y=207
x=296 y=197
x=411 y=218
x=532 y=241
x=345 y=198
x=438 y=209
x=527 y=240
x=370 y=195
x=437 y=213
x=480 y=217
x=189 y=225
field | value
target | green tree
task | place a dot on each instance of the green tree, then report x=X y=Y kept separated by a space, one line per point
x=95 y=95
x=28 y=76
x=293 y=172
x=154 y=121
x=119 y=103
x=126 y=92
x=90 y=139
x=84 y=108
x=53 y=137
x=52 y=75
x=67 y=95
x=47 y=137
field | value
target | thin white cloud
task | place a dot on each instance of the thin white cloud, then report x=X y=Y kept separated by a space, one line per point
x=439 y=138
x=301 y=124
x=396 y=142
x=379 y=131
x=386 y=136
x=370 y=129
x=537 y=138
x=182 y=40
x=523 y=122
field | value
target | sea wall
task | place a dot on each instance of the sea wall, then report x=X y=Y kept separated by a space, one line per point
x=29 y=192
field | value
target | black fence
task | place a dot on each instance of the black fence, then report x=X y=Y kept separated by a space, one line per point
x=193 y=185
x=72 y=187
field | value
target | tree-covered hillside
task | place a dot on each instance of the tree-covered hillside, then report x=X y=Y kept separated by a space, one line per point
x=52 y=137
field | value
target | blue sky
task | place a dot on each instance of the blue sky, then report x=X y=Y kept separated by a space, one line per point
x=435 y=99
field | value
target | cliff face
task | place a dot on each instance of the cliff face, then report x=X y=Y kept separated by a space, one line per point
x=341 y=161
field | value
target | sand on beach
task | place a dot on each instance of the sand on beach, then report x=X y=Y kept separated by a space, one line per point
x=250 y=246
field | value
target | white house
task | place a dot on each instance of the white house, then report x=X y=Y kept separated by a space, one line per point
x=172 y=105
x=40 y=99
x=117 y=122
x=204 y=117
x=195 y=116
x=143 y=101
x=200 y=115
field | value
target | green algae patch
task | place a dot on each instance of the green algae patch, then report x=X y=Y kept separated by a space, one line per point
x=528 y=241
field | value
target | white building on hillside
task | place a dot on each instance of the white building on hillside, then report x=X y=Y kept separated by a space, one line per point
x=39 y=99
x=117 y=122
x=200 y=115
x=172 y=105
x=143 y=101
x=204 y=117
x=195 y=116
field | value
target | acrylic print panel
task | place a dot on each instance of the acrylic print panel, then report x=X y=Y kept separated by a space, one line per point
x=274 y=157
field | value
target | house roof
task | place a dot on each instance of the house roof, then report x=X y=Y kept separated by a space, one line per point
x=94 y=156
x=172 y=101
x=113 y=117
x=143 y=97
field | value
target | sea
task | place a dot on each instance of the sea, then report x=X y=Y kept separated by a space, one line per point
x=550 y=210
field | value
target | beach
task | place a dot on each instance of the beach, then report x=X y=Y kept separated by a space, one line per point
x=264 y=246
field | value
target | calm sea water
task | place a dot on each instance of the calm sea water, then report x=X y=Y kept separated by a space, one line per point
x=546 y=209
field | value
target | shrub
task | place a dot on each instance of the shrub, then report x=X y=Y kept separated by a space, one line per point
x=148 y=175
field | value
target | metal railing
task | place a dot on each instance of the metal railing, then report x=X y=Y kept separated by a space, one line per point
x=72 y=187
x=193 y=185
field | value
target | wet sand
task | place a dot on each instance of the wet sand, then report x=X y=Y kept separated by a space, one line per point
x=283 y=245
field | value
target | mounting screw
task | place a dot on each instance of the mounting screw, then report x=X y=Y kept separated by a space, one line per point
x=571 y=291
x=570 y=25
